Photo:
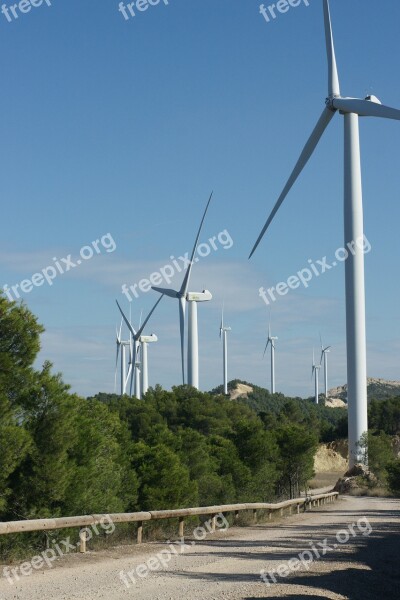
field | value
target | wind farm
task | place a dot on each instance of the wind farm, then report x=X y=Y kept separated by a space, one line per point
x=199 y=331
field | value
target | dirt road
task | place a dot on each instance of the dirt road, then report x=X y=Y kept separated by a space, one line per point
x=227 y=565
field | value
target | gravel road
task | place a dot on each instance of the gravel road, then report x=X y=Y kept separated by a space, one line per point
x=227 y=565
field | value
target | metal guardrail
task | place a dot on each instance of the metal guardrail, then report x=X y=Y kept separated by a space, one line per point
x=180 y=514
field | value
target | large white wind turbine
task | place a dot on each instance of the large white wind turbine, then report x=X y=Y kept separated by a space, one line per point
x=351 y=109
x=315 y=372
x=324 y=358
x=183 y=295
x=135 y=348
x=223 y=333
x=271 y=341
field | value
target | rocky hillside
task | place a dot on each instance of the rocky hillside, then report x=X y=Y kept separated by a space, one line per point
x=378 y=389
x=329 y=459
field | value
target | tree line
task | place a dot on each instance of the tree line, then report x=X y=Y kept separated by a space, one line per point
x=63 y=455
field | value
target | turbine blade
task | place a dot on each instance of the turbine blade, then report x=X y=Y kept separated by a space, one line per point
x=120 y=332
x=266 y=347
x=167 y=292
x=139 y=333
x=366 y=108
x=126 y=320
x=333 y=77
x=306 y=154
x=182 y=310
x=185 y=283
x=132 y=379
x=116 y=370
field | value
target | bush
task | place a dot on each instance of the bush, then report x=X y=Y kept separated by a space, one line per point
x=393 y=471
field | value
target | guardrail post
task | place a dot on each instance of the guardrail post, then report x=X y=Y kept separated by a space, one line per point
x=82 y=541
x=140 y=532
x=236 y=515
x=181 y=527
x=255 y=515
x=281 y=512
x=213 y=523
x=298 y=509
x=270 y=515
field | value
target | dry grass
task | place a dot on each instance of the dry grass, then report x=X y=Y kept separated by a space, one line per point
x=376 y=492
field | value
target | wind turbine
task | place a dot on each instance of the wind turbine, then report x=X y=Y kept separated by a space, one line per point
x=223 y=333
x=183 y=295
x=271 y=341
x=135 y=347
x=324 y=357
x=315 y=372
x=351 y=109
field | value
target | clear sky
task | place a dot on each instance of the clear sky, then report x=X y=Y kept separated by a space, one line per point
x=123 y=127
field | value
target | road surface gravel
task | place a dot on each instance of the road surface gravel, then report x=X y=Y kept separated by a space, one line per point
x=227 y=565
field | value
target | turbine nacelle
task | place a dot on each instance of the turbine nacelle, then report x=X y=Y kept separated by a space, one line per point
x=148 y=339
x=203 y=296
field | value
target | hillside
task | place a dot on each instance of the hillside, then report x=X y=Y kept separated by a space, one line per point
x=378 y=389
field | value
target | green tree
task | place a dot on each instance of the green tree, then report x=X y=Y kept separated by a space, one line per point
x=393 y=471
x=164 y=482
x=297 y=450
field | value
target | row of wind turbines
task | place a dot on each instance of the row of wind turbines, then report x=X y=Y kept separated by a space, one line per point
x=351 y=109
x=136 y=374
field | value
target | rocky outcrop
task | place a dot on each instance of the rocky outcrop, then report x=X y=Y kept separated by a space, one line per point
x=378 y=389
x=356 y=478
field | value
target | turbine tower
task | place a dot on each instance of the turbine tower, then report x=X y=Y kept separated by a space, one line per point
x=223 y=333
x=145 y=340
x=324 y=357
x=351 y=109
x=124 y=375
x=271 y=341
x=315 y=372
x=183 y=295
x=135 y=347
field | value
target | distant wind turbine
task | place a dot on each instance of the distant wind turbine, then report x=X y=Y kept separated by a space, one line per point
x=223 y=333
x=271 y=341
x=351 y=109
x=183 y=295
x=135 y=347
x=315 y=372
x=324 y=358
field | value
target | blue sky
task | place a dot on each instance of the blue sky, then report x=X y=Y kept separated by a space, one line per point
x=124 y=127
